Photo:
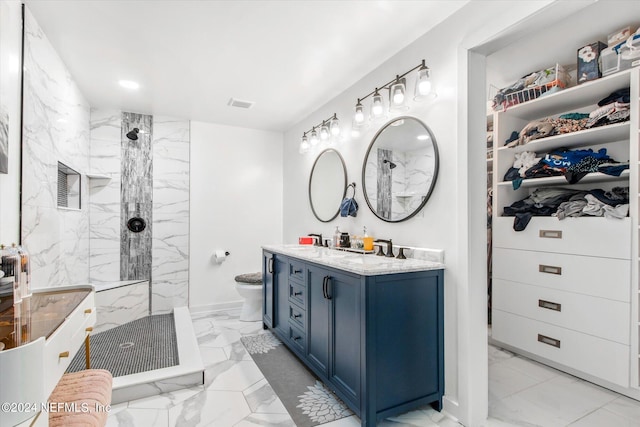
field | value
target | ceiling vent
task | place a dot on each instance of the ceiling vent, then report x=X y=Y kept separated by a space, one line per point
x=239 y=103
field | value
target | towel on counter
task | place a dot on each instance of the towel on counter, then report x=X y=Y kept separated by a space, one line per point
x=349 y=207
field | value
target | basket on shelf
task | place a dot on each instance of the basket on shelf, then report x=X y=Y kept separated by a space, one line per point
x=529 y=87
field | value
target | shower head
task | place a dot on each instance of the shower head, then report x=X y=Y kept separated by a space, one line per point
x=133 y=134
x=391 y=164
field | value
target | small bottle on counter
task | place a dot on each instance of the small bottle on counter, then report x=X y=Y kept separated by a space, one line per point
x=336 y=238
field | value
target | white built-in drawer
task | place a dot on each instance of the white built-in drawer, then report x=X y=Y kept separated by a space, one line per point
x=65 y=341
x=592 y=355
x=601 y=277
x=602 y=237
x=601 y=317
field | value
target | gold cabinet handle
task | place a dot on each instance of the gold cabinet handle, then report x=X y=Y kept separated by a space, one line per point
x=64 y=354
x=87 y=311
x=89 y=329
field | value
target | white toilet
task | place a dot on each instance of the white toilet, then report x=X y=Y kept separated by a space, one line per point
x=249 y=286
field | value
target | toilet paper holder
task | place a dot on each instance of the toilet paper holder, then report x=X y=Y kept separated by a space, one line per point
x=219 y=256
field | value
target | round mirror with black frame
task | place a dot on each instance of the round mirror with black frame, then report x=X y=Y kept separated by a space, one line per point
x=327 y=185
x=400 y=169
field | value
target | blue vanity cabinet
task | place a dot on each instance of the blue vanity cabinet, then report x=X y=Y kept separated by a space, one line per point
x=377 y=341
x=281 y=288
x=268 y=296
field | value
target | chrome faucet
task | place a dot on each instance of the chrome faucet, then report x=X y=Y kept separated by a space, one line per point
x=318 y=239
x=389 y=253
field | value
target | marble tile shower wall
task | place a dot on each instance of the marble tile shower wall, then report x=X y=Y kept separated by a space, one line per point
x=170 y=206
x=56 y=128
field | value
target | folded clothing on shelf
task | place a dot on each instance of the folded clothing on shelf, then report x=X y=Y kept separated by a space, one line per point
x=565 y=202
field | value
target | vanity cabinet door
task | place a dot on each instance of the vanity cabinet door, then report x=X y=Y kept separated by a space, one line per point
x=268 y=276
x=281 y=285
x=345 y=328
x=318 y=319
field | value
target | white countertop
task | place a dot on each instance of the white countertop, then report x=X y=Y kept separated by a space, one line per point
x=365 y=265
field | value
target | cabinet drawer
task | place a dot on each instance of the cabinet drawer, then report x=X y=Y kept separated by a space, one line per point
x=609 y=238
x=594 y=356
x=601 y=317
x=601 y=277
x=297 y=338
x=296 y=270
x=297 y=293
x=298 y=316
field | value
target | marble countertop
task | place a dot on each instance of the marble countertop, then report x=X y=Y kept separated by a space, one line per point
x=365 y=265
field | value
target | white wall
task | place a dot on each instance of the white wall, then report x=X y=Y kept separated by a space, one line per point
x=10 y=47
x=236 y=205
x=55 y=128
x=445 y=222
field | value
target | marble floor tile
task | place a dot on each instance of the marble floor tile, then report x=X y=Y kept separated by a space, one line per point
x=497 y=354
x=236 y=351
x=626 y=407
x=505 y=381
x=602 y=418
x=212 y=356
x=166 y=400
x=132 y=417
x=215 y=408
x=266 y=420
x=234 y=375
x=262 y=399
x=531 y=368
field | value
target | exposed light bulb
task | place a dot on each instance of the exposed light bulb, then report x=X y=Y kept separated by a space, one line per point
x=324 y=132
x=423 y=137
x=359 y=115
x=314 y=137
x=304 y=146
x=377 y=107
x=129 y=84
x=424 y=87
x=335 y=127
x=398 y=96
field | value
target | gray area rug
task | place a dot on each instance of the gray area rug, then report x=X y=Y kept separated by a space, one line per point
x=142 y=345
x=305 y=397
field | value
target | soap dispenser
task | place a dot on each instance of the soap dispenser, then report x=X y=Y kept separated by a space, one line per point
x=336 y=237
x=367 y=241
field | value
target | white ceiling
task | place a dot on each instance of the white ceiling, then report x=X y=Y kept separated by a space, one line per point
x=191 y=57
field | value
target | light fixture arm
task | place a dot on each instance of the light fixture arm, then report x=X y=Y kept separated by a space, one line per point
x=388 y=84
x=322 y=123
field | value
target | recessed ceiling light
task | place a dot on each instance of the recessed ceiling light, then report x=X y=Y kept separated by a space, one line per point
x=423 y=137
x=128 y=84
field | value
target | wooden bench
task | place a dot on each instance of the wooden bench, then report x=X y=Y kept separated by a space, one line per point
x=81 y=399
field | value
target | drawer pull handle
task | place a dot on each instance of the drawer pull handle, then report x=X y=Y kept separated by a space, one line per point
x=549 y=341
x=295 y=316
x=551 y=234
x=551 y=269
x=89 y=329
x=297 y=271
x=549 y=305
x=64 y=354
x=87 y=311
x=297 y=294
x=296 y=338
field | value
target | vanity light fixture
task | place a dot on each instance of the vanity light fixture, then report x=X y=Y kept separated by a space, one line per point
x=322 y=131
x=397 y=93
x=304 y=145
x=314 y=136
x=377 y=108
x=423 y=83
x=335 y=126
x=359 y=115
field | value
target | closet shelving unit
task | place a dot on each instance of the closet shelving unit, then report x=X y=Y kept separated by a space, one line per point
x=566 y=293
